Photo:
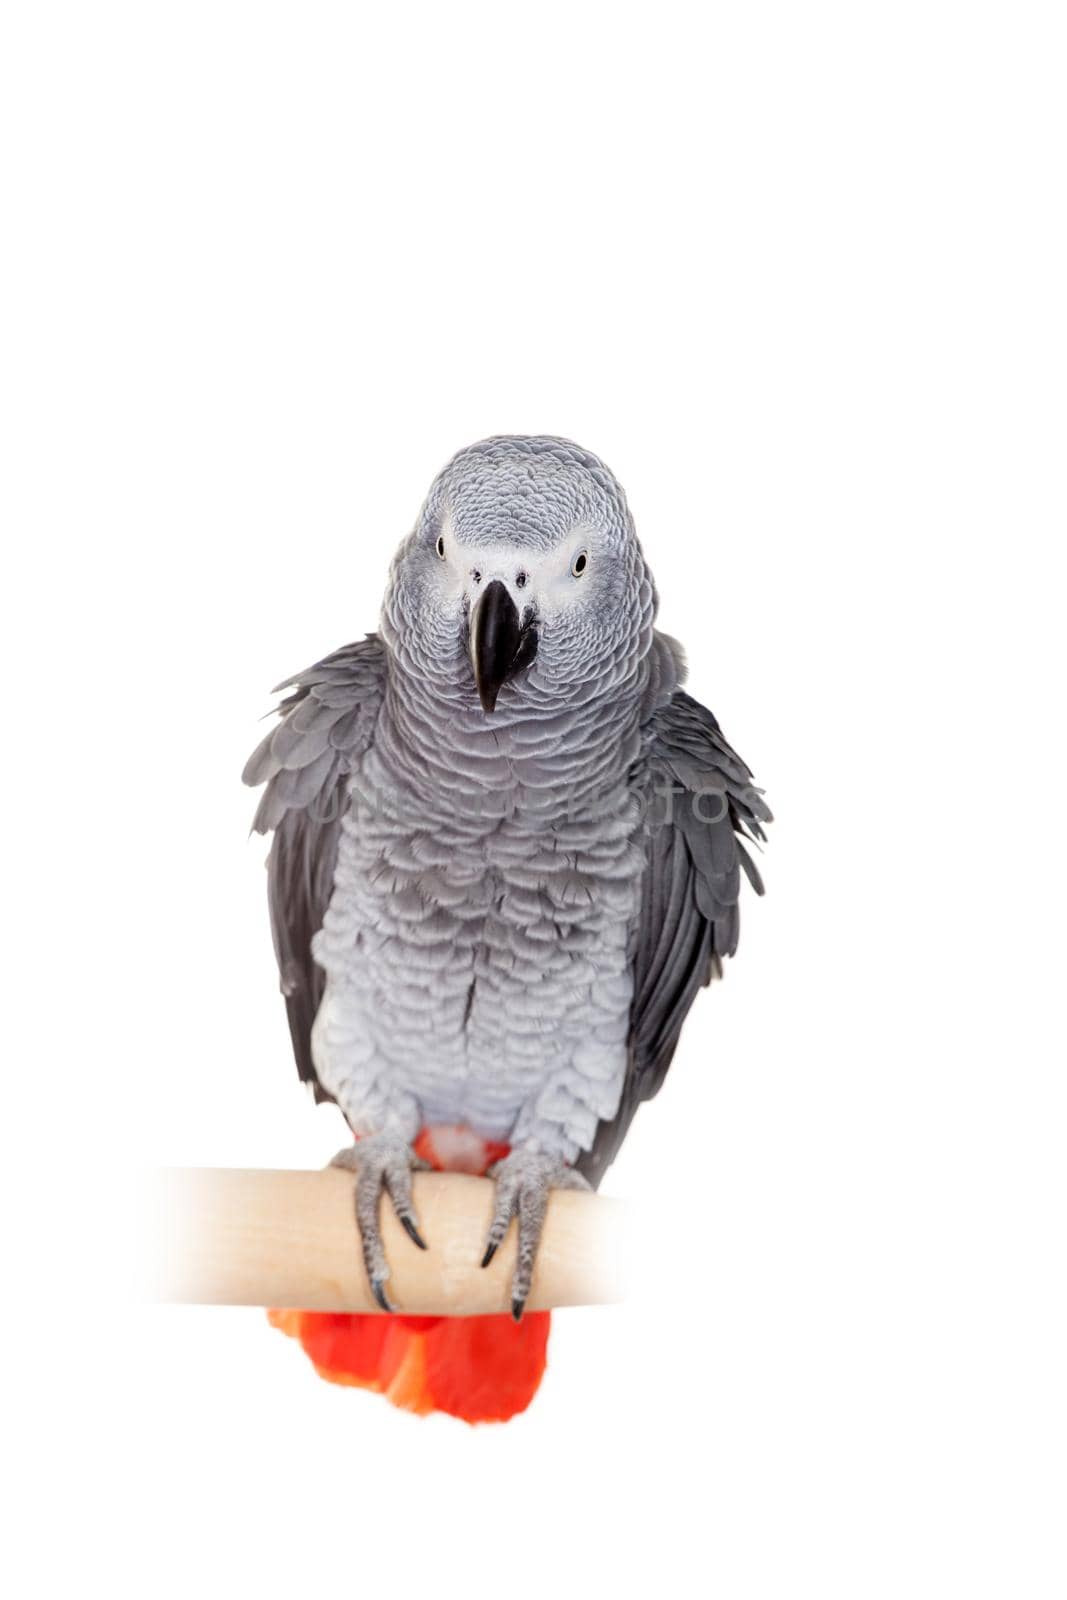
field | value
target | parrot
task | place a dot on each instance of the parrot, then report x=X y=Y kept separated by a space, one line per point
x=507 y=853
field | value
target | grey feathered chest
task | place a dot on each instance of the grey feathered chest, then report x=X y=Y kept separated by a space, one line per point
x=479 y=936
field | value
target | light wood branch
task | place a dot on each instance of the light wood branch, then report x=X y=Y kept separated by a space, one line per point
x=288 y=1239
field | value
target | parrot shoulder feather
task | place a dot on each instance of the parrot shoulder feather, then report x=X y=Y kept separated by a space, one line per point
x=701 y=806
x=326 y=723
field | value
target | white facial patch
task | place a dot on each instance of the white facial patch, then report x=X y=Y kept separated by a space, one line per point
x=546 y=579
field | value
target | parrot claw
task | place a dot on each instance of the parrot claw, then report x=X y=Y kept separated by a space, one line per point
x=524 y=1181
x=377 y=1289
x=409 y=1227
x=382 y=1161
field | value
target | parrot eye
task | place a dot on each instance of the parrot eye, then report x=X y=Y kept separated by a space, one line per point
x=579 y=564
x=441 y=545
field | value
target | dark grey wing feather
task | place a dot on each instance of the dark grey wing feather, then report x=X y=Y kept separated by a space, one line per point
x=326 y=724
x=701 y=805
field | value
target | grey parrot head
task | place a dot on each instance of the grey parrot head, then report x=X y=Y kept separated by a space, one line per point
x=522 y=582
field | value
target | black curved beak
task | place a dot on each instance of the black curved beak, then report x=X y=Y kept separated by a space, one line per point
x=502 y=642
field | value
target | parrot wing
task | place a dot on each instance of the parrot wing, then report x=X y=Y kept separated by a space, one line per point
x=701 y=806
x=327 y=722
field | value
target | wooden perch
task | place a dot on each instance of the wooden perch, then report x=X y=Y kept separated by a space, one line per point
x=288 y=1239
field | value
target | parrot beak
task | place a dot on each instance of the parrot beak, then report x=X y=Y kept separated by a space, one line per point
x=502 y=642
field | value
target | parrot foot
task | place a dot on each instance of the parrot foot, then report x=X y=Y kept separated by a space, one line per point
x=381 y=1161
x=524 y=1180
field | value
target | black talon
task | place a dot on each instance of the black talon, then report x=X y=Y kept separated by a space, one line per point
x=413 y=1233
x=378 y=1291
x=489 y=1253
x=517 y=1308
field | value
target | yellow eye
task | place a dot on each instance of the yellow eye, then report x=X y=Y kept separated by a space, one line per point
x=579 y=564
x=441 y=545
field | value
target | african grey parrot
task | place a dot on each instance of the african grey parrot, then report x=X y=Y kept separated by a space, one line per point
x=507 y=845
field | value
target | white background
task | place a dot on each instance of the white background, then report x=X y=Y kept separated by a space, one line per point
x=797 y=272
